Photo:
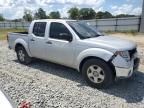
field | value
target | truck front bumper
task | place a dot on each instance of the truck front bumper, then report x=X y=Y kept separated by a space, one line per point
x=125 y=69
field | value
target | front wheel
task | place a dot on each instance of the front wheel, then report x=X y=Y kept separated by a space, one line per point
x=97 y=73
x=22 y=55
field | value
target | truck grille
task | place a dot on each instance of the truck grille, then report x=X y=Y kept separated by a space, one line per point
x=132 y=52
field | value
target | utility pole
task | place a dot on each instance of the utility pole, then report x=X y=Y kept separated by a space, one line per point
x=142 y=19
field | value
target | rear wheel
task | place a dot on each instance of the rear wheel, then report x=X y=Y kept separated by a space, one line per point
x=97 y=73
x=22 y=55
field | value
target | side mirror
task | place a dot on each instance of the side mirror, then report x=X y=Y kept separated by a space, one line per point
x=66 y=36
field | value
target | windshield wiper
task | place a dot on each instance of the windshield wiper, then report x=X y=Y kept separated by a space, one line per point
x=99 y=35
x=92 y=36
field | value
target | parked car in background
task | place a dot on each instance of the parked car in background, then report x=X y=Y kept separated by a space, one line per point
x=101 y=59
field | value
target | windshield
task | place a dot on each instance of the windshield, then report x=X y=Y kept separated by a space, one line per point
x=83 y=30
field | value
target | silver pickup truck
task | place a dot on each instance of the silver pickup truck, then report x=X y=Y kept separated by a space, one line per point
x=101 y=59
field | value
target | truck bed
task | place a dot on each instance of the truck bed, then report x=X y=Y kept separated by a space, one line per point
x=21 y=32
x=16 y=35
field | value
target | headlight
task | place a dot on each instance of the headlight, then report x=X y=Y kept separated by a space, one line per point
x=123 y=54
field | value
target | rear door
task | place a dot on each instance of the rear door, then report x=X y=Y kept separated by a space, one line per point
x=37 y=40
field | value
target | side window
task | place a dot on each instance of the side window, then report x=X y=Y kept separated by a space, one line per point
x=59 y=29
x=39 y=29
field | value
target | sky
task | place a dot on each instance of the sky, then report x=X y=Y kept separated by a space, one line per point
x=14 y=9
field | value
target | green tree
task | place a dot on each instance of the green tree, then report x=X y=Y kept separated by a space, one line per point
x=48 y=17
x=87 y=13
x=27 y=15
x=40 y=14
x=124 y=15
x=1 y=18
x=54 y=15
x=73 y=13
x=17 y=20
x=99 y=15
x=106 y=14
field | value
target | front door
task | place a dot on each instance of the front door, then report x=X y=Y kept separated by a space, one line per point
x=58 y=49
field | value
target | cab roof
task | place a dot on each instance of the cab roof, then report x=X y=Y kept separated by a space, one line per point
x=59 y=20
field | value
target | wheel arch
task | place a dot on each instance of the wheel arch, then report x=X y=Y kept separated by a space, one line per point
x=18 y=45
x=94 y=57
x=22 y=43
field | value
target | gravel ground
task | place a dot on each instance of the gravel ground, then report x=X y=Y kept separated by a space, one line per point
x=47 y=85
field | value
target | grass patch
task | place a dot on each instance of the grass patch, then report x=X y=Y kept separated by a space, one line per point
x=3 y=32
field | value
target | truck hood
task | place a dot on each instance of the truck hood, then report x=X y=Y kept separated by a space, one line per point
x=111 y=43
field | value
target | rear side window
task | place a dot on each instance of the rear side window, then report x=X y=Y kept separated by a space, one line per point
x=56 y=29
x=39 y=29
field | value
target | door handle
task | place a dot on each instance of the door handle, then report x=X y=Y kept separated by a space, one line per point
x=49 y=42
x=32 y=40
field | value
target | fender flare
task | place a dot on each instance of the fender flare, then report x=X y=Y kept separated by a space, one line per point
x=24 y=44
x=93 y=52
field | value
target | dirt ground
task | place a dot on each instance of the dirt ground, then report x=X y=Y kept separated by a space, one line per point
x=138 y=38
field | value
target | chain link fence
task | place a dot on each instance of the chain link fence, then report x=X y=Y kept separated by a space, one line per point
x=113 y=24
x=16 y=25
x=116 y=24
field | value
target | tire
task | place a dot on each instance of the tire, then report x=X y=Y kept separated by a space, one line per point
x=22 y=55
x=97 y=73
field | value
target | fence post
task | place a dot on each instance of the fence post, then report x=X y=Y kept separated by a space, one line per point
x=15 y=25
x=139 y=24
x=10 y=24
x=96 y=23
x=4 y=24
x=142 y=19
x=22 y=24
x=116 y=24
x=141 y=29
